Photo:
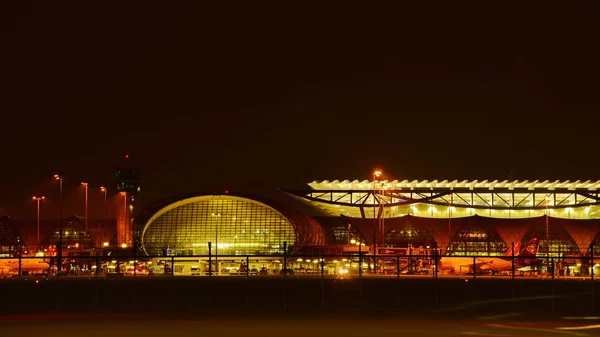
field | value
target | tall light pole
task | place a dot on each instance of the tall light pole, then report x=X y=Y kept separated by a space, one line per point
x=547 y=234
x=376 y=174
x=382 y=217
x=59 y=177
x=85 y=185
x=450 y=217
x=38 y=199
x=217 y=241
x=103 y=189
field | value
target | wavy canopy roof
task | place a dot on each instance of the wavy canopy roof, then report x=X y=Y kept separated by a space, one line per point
x=454 y=198
x=456 y=184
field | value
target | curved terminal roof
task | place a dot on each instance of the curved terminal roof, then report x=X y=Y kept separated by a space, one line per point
x=307 y=230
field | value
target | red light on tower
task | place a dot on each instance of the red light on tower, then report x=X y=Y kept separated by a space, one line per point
x=126 y=156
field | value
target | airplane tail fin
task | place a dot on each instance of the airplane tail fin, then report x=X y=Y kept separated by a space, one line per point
x=532 y=248
x=509 y=252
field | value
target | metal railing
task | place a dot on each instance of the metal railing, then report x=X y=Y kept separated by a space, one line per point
x=353 y=282
x=326 y=265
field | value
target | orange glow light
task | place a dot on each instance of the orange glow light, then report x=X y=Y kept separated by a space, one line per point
x=56 y=176
x=102 y=188
x=377 y=173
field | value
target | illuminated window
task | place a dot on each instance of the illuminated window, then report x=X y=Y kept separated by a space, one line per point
x=408 y=235
x=476 y=241
x=596 y=245
x=10 y=242
x=341 y=234
x=561 y=243
x=73 y=235
x=128 y=175
x=344 y=235
x=234 y=226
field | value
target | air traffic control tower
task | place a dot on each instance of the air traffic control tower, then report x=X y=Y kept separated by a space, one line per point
x=128 y=189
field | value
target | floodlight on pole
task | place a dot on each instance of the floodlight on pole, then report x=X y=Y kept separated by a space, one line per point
x=376 y=174
x=38 y=199
x=103 y=189
x=86 y=204
x=547 y=234
x=59 y=177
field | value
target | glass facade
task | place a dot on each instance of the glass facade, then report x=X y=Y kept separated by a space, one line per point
x=345 y=235
x=74 y=238
x=233 y=225
x=476 y=241
x=128 y=180
x=128 y=174
x=10 y=242
x=408 y=235
x=559 y=243
x=595 y=244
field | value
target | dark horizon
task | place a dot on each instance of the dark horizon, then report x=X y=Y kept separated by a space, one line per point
x=256 y=97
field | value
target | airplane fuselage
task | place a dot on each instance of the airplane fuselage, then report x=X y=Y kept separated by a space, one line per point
x=469 y=264
x=8 y=266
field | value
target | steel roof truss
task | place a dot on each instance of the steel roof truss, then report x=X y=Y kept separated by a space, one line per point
x=498 y=195
x=461 y=198
x=484 y=201
x=522 y=200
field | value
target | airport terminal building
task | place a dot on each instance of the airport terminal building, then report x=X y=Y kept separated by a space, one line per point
x=233 y=224
x=458 y=217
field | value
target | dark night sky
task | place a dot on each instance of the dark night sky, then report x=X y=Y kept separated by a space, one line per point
x=258 y=95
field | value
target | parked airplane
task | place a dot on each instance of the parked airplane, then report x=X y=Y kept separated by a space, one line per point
x=11 y=266
x=523 y=258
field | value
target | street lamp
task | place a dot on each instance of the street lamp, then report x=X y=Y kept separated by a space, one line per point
x=103 y=189
x=382 y=217
x=217 y=240
x=548 y=263
x=59 y=177
x=450 y=216
x=547 y=234
x=86 y=204
x=38 y=199
x=376 y=174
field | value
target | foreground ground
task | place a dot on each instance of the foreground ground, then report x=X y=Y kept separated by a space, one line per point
x=150 y=325
x=448 y=296
x=288 y=307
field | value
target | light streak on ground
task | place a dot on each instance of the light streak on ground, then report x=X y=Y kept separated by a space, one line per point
x=585 y=327
x=503 y=300
x=270 y=326
x=551 y=332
